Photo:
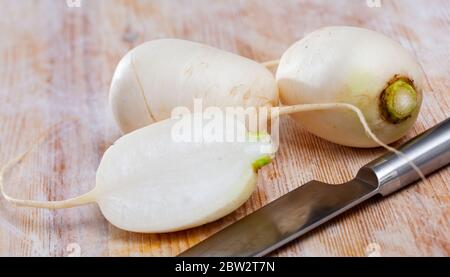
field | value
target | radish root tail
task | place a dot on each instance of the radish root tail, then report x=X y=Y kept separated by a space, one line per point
x=76 y=201
x=362 y=119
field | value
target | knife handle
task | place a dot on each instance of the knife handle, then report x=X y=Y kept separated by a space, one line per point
x=429 y=151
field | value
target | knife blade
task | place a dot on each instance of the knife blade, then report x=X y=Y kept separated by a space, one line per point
x=315 y=203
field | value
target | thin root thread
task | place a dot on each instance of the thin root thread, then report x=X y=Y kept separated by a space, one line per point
x=329 y=106
x=76 y=201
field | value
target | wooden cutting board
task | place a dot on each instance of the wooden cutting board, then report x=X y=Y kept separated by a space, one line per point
x=57 y=62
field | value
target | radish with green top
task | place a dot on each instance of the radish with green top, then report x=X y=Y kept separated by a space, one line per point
x=358 y=67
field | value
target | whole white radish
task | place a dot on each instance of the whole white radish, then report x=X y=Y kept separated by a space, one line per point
x=159 y=75
x=149 y=182
x=354 y=66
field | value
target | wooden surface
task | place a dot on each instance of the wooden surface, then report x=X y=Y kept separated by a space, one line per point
x=57 y=62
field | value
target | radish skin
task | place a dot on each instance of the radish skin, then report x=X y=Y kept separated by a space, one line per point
x=157 y=76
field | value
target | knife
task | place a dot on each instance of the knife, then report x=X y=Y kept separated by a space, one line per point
x=315 y=203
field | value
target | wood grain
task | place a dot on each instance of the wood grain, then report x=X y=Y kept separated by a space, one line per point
x=57 y=63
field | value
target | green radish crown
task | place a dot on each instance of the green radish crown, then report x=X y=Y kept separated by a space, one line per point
x=264 y=160
x=398 y=100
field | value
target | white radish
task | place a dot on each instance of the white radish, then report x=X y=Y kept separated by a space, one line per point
x=147 y=182
x=358 y=67
x=157 y=76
